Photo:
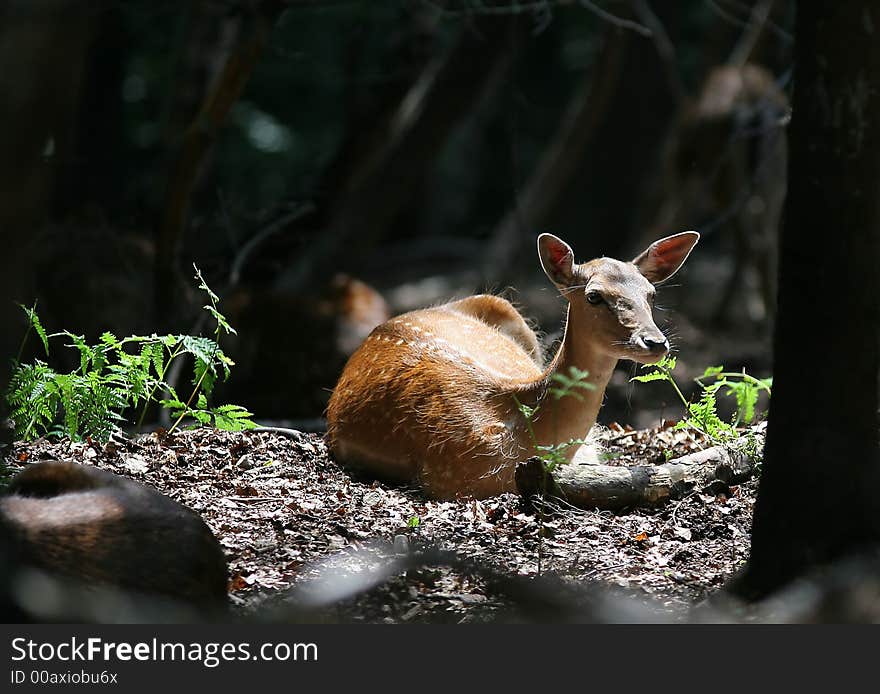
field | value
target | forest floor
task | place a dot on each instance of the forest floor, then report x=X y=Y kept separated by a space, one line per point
x=303 y=536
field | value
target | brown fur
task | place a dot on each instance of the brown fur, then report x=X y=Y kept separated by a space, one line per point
x=431 y=396
x=98 y=528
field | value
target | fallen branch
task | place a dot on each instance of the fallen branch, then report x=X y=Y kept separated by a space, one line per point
x=615 y=487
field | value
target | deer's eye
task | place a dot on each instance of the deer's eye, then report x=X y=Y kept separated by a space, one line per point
x=595 y=297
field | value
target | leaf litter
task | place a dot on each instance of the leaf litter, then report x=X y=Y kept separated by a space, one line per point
x=304 y=538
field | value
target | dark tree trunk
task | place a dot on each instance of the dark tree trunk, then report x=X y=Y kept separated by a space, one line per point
x=559 y=162
x=623 y=150
x=42 y=49
x=819 y=491
x=391 y=161
x=196 y=143
x=90 y=171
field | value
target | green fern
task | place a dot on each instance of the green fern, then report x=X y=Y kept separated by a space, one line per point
x=703 y=414
x=743 y=387
x=117 y=376
x=34 y=322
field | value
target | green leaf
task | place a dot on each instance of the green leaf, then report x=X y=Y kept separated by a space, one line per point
x=666 y=363
x=222 y=324
x=559 y=393
x=204 y=285
x=34 y=320
x=577 y=374
x=653 y=376
x=712 y=371
x=232 y=418
x=109 y=339
x=203 y=348
x=157 y=355
x=528 y=412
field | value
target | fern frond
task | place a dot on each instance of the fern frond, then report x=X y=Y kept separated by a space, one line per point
x=35 y=323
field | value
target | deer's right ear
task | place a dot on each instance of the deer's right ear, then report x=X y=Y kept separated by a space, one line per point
x=557 y=259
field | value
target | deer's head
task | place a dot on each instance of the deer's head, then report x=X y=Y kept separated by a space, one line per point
x=613 y=300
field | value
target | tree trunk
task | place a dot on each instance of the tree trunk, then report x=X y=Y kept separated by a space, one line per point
x=559 y=162
x=819 y=498
x=197 y=140
x=393 y=159
x=42 y=50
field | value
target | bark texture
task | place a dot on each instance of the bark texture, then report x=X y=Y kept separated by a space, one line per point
x=818 y=498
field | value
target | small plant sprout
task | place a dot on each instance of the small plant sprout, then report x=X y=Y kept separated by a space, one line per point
x=554 y=455
x=703 y=415
x=116 y=377
x=744 y=387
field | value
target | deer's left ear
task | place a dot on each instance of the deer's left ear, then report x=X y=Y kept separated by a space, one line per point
x=662 y=259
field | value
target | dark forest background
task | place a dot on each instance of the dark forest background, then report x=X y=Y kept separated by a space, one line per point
x=329 y=163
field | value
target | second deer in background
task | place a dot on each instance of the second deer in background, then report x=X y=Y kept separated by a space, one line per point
x=725 y=166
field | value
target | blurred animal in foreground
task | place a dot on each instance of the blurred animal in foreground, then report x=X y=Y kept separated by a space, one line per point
x=92 y=529
x=725 y=167
x=296 y=345
x=435 y=395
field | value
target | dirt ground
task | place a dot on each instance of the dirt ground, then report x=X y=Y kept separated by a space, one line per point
x=306 y=540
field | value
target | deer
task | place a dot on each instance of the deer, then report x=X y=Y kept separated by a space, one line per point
x=89 y=527
x=433 y=396
x=725 y=164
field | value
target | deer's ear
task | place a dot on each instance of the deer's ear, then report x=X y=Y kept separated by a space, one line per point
x=662 y=259
x=557 y=259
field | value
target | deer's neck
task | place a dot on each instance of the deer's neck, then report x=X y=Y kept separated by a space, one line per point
x=561 y=419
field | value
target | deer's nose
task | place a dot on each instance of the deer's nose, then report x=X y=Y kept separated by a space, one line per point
x=655 y=344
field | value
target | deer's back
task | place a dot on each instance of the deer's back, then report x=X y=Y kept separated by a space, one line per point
x=429 y=393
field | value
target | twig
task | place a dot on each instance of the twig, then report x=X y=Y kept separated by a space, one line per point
x=479 y=9
x=249 y=499
x=262 y=235
x=746 y=44
x=516 y=8
x=732 y=19
x=678 y=504
x=621 y=22
x=612 y=567
x=282 y=431
x=664 y=45
x=620 y=437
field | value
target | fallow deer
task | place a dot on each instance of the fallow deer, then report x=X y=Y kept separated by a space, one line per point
x=432 y=396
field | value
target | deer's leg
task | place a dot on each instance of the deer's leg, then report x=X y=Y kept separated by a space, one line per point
x=736 y=281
